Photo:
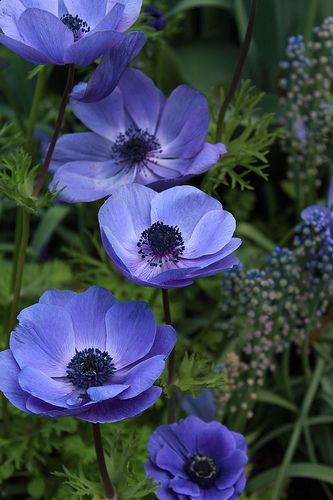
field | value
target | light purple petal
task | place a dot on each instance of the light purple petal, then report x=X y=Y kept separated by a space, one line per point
x=213 y=232
x=185 y=487
x=92 y=14
x=216 y=441
x=56 y=297
x=183 y=206
x=131 y=330
x=82 y=181
x=106 y=391
x=39 y=385
x=44 y=339
x=184 y=123
x=206 y=158
x=25 y=51
x=142 y=99
x=105 y=117
x=48 y=5
x=140 y=377
x=164 y=343
x=130 y=14
x=114 y=410
x=127 y=213
x=169 y=460
x=10 y=11
x=9 y=371
x=82 y=146
x=114 y=62
x=155 y=473
x=88 y=311
x=231 y=469
x=214 y=494
x=215 y=268
x=46 y=33
x=90 y=47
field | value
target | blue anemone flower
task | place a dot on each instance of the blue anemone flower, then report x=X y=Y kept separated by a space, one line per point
x=137 y=136
x=165 y=240
x=65 y=31
x=196 y=460
x=85 y=355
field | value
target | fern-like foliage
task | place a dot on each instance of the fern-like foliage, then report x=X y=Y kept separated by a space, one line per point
x=248 y=134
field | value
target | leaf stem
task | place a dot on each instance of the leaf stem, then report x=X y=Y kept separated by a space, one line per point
x=308 y=399
x=110 y=492
x=172 y=358
x=238 y=70
x=57 y=130
x=21 y=243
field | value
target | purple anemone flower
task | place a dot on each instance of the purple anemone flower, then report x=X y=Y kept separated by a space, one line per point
x=326 y=211
x=165 y=240
x=65 y=31
x=137 y=136
x=85 y=355
x=196 y=460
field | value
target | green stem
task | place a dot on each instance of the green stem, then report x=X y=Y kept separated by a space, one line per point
x=307 y=402
x=57 y=130
x=21 y=243
x=172 y=359
x=110 y=492
x=34 y=109
x=238 y=70
x=286 y=374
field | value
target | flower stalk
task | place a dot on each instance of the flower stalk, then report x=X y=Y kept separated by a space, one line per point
x=57 y=130
x=172 y=368
x=238 y=70
x=110 y=492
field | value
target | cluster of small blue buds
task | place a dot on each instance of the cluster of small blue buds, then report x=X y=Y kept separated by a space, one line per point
x=305 y=88
x=269 y=310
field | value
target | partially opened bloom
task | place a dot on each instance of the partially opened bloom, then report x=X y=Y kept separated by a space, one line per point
x=65 y=31
x=137 y=136
x=165 y=240
x=326 y=211
x=85 y=355
x=196 y=460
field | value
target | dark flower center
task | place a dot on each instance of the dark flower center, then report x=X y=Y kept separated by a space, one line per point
x=76 y=25
x=161 y=241
x=133 y=147
x=202 y=470
x=90 y=368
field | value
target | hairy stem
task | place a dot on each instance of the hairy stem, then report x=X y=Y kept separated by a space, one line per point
x=238 y=70
x=172 y=358
x=57 y=130
x=110 y=492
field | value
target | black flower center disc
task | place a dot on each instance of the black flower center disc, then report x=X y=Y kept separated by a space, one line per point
x=90 y=368
x=76 y=25
x=161 y=241
x=202 y=470
x=133 y=147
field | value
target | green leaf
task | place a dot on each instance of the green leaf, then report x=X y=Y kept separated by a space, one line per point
x=306 y=470
x=36 y=487
x=264 y=396
x=191 y=4
x=197 y=373
x=48 y=224
x=245 y=230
